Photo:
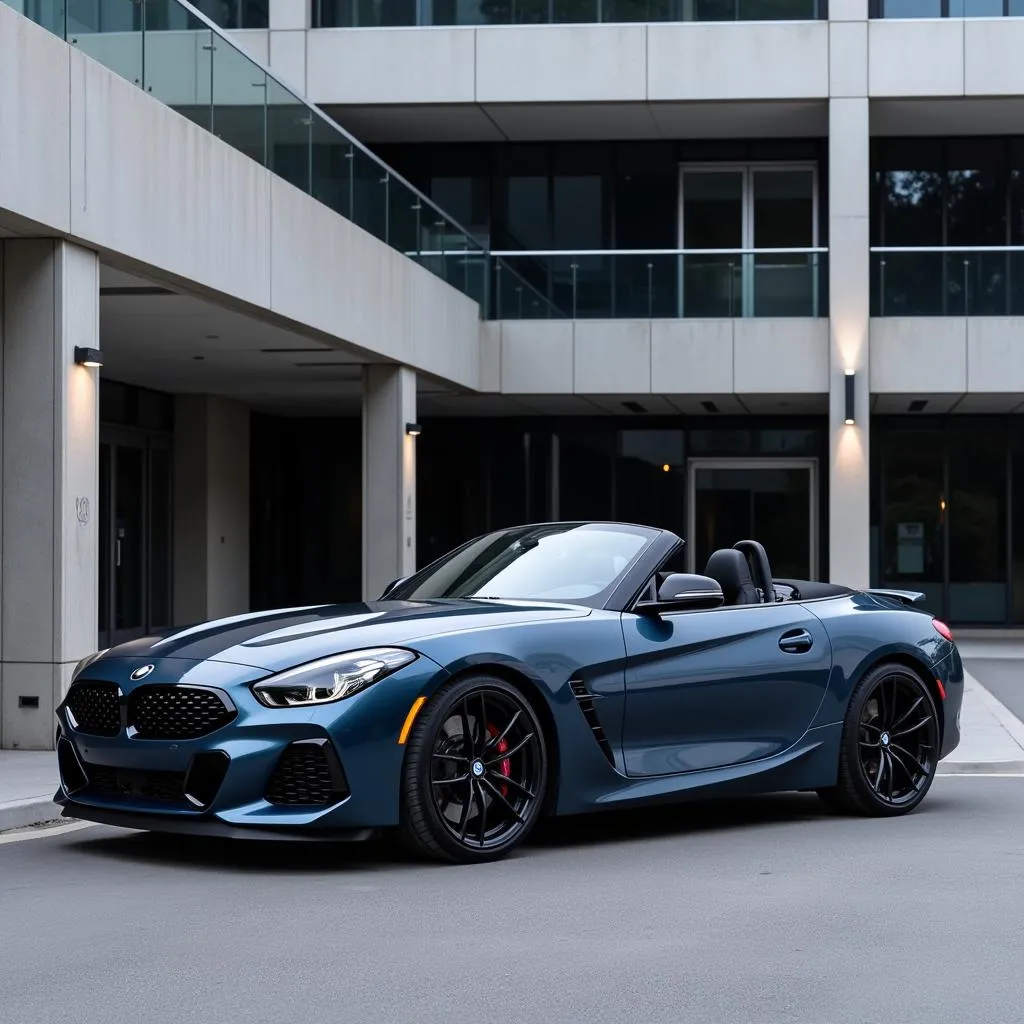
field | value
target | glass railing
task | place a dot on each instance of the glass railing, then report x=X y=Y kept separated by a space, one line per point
x=946 y=8
x=391 y=13
x=661 y=284
x=177 y=55
x=949 y=281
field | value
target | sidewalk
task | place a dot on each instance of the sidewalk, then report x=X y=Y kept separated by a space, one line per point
x=28 y=780
x=991 y=736
x=992 y=740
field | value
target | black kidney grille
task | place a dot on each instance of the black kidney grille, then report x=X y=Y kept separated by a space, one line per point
x=168 y=787
x=306 y=774
x=95 y=708
x=176 y=712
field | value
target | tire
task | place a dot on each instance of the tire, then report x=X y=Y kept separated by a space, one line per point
x=889 y=749
x=449 y=792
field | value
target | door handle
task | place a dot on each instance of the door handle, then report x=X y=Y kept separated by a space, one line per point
x=796 y=641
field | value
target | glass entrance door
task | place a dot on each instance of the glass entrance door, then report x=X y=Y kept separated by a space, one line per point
x=748 y=207
x=773 y=501
x=135 y=535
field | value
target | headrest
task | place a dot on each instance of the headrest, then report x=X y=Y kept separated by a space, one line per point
x=730 y=568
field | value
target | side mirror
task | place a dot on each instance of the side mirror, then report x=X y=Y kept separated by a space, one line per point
x=685 y=592
x=391 y=586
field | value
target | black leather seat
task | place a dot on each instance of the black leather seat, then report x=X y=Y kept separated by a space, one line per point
x=729 y=567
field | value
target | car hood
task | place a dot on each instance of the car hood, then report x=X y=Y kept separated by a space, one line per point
x=276 y=640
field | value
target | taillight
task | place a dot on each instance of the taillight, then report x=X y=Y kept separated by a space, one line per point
x=942 y=629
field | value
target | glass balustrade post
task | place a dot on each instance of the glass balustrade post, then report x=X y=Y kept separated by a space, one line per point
x=967 y=266
x=650 y=289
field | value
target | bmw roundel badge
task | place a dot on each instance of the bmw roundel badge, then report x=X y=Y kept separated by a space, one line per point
x=141 y=673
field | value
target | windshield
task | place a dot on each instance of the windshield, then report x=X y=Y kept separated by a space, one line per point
x=572 y=562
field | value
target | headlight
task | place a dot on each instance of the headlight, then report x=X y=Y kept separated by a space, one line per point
x=86 y=662
x=330 y=679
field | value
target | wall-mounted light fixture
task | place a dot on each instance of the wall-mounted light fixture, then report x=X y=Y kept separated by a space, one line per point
x=88 y=356
x=850 y=418
x=413 y=429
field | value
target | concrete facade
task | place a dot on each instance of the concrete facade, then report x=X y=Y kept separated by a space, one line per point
x=109 y=184
x=389 y=477
x=49 y=305
x=211 y=508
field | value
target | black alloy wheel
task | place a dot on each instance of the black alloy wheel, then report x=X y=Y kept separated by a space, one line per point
x=890 y=745
x=475 y=772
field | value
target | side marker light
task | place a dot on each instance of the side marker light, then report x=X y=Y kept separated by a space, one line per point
x=409 y=719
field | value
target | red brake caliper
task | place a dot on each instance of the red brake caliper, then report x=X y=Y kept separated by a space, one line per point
x=506 y=765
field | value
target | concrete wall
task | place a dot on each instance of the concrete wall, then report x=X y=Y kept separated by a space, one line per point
x=49 y=303
x=956 y=355
x=636 y=357
x=653 y=62
x=211 y=508
x=567 y=63
x=99 y=160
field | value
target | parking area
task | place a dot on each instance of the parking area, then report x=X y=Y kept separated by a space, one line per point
x=755 y=912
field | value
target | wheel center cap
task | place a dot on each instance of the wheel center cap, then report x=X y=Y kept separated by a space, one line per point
x=885 y=739
x=477 y=768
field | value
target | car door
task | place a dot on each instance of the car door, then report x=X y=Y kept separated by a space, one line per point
x=720 y=687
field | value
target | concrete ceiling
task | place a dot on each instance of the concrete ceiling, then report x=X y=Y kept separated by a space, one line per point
x=156 y=338
x=949 y=116
x=541 y=122
x=948 y=402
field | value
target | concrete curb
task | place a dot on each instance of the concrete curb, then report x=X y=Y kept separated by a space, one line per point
x=19 y=813
x=981 y=767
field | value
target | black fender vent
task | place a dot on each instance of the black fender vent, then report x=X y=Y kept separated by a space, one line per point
x=585 y=700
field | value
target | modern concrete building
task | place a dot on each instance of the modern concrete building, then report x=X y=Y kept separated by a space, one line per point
x=744 y=268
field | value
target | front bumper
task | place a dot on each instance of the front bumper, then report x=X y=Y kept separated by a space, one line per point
x=331 y=772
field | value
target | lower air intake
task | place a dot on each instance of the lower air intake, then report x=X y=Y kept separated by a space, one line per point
x=307 y=774
x=113 y=783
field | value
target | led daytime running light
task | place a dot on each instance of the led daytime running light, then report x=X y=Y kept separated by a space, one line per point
x=330 y=679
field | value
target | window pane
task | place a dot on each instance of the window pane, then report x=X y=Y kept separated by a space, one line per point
x=914 y=515
x=650 y=479
x=977 y=526
x=1018 y=533
x=976 y=180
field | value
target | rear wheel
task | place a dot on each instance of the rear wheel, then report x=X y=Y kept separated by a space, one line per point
x=475 y=772
x=890 y=746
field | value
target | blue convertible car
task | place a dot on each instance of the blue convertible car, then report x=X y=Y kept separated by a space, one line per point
x=548 y=669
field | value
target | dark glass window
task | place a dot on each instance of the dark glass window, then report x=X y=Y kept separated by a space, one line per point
x=914 y=514
x=944 y=494
x=977 y=525
x=1017 y=513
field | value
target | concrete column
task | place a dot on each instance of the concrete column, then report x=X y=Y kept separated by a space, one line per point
x=211 y=508
x=849 y=293
x=389 y=477
x=49 y=304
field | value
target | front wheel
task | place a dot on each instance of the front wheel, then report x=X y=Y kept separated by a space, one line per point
x=475 y=772
x=890 y=745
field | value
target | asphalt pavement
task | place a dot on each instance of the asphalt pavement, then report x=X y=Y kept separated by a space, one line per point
x=767 y=911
